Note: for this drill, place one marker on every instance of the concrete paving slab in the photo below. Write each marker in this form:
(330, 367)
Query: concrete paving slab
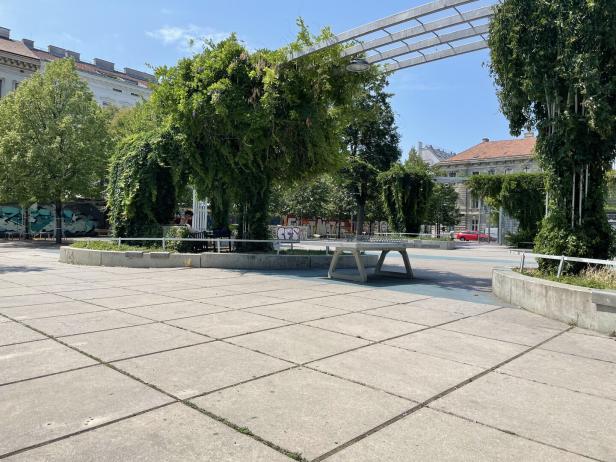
(565, 419)
(392, 296)
(525, 318)
(228, 323)
(572, 372)
(132, 301)
(297, 293)
(341, 287)
(13, 332)
(415, 314)
(414, 376)
(296, 311)
(15, 291)
(112, 345)
(39, 410)
(49, 310)
(178, 310)
(162, 287)
(367, 327)
(469, 349)
(240, 301)
(428, 435)
(173, 433)
(455, 306)
(351, 302)
(299, 344)
(87, 322)
(502, 330)
(89, 294)
(588, 346)
(202, 293)
(579, 330)
(36, 299)
(34, 359)
(199, 369)
(304, 411)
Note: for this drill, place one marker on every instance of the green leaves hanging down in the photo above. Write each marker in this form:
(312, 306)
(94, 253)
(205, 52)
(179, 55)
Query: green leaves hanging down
(251, 118)
(554, 65)
(143, 183)
(406, 191)
(522, 196)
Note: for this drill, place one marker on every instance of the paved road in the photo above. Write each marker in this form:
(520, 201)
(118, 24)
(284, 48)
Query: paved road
(111, 364)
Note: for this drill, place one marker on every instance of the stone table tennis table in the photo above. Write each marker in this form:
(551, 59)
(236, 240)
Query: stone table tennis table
(356, 247)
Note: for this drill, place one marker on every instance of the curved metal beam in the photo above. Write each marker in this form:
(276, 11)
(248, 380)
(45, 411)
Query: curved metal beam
(381, 24)
(429, 43)
(450, 21)
(455, 51)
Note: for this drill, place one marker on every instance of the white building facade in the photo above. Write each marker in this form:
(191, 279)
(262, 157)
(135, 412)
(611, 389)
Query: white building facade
(111, 87)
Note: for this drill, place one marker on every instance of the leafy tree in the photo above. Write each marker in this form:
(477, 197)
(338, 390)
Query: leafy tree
(521, 195)
(252, 119)
(144, 180)
(53, 140)
(406, 191)
(442, 207)
(372, 142)
(554, 64)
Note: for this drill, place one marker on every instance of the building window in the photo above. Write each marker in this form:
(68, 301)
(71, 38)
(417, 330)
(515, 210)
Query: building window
(492, 171)
(1, 82)
(474, 224)
(474, 202)
(452, 174)
(15, 84)
(475, 173)
(135, 94)
(117, 90)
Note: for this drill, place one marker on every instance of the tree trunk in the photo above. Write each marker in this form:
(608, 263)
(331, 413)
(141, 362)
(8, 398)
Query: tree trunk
(361, 214)
(27, 235)
(58, 222)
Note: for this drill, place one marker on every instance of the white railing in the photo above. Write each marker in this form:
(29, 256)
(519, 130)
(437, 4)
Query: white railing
(563, 259)
(165, 240)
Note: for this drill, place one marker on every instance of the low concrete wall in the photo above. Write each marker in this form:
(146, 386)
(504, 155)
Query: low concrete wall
(88, 257)
(432, 244)
(584, 307)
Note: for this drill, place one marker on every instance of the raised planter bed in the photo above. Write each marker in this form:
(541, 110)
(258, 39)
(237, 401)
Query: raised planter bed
(76, 256)
(588, 308)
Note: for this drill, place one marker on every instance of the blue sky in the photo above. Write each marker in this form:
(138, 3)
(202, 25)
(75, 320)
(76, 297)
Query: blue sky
(450, 103)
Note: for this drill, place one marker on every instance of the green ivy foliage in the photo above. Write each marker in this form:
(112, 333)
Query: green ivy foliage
(144, 179)
(554, 64)
(521, 195)
(406, 192)
(251, 119)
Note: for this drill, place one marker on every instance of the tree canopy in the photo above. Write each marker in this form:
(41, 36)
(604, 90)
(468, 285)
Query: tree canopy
(554, 64)
(406, 190)
(371, 141)
(250, 119)
(54, 141)
(521, 195)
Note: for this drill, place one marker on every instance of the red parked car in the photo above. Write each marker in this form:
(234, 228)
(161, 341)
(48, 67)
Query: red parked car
(470, 236)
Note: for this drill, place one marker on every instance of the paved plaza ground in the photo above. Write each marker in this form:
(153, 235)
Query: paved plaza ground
(114, 364)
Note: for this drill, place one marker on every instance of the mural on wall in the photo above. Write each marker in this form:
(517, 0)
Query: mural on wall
(79, 219)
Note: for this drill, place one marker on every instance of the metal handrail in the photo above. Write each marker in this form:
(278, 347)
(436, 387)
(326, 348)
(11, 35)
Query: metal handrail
(164, 240)
(563, 259)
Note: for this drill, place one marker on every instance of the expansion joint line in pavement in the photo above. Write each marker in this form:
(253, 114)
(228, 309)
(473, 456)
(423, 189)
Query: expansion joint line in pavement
(430, 400)
(174, 399)
(187, 400)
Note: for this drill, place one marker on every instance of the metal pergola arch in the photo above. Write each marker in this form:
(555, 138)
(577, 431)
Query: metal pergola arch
(427, 33)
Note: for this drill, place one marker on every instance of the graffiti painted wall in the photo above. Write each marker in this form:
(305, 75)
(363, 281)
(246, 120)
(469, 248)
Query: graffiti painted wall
(79, 219)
